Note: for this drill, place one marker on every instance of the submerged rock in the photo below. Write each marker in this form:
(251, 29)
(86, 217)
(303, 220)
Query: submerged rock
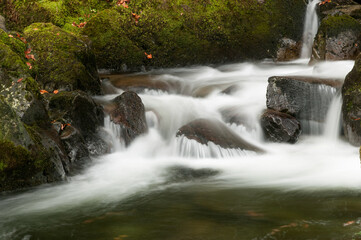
(127, 110)
(338, 38)
(204, 131)
(280, 127)
(351, 105)
(183, 173)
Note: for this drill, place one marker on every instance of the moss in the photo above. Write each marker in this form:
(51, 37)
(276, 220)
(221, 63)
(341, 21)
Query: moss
(64, 61)
(334, 25)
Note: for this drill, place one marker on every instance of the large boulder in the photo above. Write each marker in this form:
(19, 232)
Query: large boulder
(204, 131)
(63, 61)
(127, 111)
(351, 106)
(338, 38)
(280, 127)
(305, 98)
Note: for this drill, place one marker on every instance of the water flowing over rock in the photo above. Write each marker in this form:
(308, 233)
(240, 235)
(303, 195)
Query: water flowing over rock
(128, 111)
(351, 106)
(204, 131)
(280, 127)
(305, 98)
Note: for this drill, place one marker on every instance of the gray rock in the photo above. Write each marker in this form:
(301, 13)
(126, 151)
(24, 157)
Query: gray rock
(305, 98)
(288, 50)
(2, 23)
(280, 127)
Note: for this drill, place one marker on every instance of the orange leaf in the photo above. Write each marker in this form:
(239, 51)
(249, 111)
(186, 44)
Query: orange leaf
(149, 56)
(348, 223)
(36, 29)
(43, 91)
(31, 56)
(57, 34)
(18, 35)
(29, 65)
(11, 36)
(53, 121)
(56, 91)
(20, 79)
(27, 51)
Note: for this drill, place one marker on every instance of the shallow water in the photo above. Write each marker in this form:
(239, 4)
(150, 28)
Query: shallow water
(163, 187)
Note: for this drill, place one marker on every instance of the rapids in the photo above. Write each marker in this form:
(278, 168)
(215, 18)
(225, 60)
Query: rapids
(131, 193)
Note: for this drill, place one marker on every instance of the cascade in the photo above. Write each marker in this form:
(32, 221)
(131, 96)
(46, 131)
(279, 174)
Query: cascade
(310, 28)
(333, 119)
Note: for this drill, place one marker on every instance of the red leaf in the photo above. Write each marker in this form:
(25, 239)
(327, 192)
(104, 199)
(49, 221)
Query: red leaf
(43, 91)
(27, 51)
(20, 79)
(29, 65)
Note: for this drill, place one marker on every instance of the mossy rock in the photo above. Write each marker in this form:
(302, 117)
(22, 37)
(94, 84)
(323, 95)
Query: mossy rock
(63, 61)
(20, 14)
(192, 32)
(112, 47)
(351, 106)
(338, 38)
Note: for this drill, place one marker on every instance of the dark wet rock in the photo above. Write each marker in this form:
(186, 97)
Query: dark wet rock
(305, 98)
(128, 111)
(78, 109)
(76, 149)
(338, 38)
(280, 127)
(204, 131)
(183, 173)
(231, 89)
(288, 50)
(63, 61)
(351, 106)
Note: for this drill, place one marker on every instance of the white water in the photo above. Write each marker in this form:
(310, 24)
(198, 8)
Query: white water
(310, 28)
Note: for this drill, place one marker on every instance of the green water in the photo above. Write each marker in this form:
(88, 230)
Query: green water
(200, 211)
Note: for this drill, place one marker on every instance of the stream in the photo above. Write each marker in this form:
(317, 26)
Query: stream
(167, 187)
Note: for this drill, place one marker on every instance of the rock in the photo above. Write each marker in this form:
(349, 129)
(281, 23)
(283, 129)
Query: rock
(82, 113)
(63, 61)
(288, 50)
(76, 148)
(351, 105)
(183, 173)
(2, 23)
(280, 127)
(204, 131)
(338, 38)
(128, 111)
(305, 98)
(138, 83)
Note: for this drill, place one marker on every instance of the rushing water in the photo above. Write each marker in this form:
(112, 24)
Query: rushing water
(310, 28)
(163, 187)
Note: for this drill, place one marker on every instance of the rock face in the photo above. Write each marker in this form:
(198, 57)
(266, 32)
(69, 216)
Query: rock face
(204, 131)
(303, 97)
(280, 127)
(338, 38)
(128, 111)
(288, 50)
(351, 106)
(63, 61)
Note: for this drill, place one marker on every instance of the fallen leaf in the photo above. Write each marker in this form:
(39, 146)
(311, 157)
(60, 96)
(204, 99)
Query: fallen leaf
(254, 214)
(53, 121)
(43, 91)
(56, 91)
(27, 51)
(29, 65)
(64, 125)
(10, 35)
(31, 56)
(348, 223)
(20, 79)
(18, 35)
(149, 56)
(36, 29)
(136, 17)
(57, 34)
(23, 40)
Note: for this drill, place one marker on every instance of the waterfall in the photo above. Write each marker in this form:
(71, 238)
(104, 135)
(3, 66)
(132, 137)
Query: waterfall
(310, 28)
(333, 119)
